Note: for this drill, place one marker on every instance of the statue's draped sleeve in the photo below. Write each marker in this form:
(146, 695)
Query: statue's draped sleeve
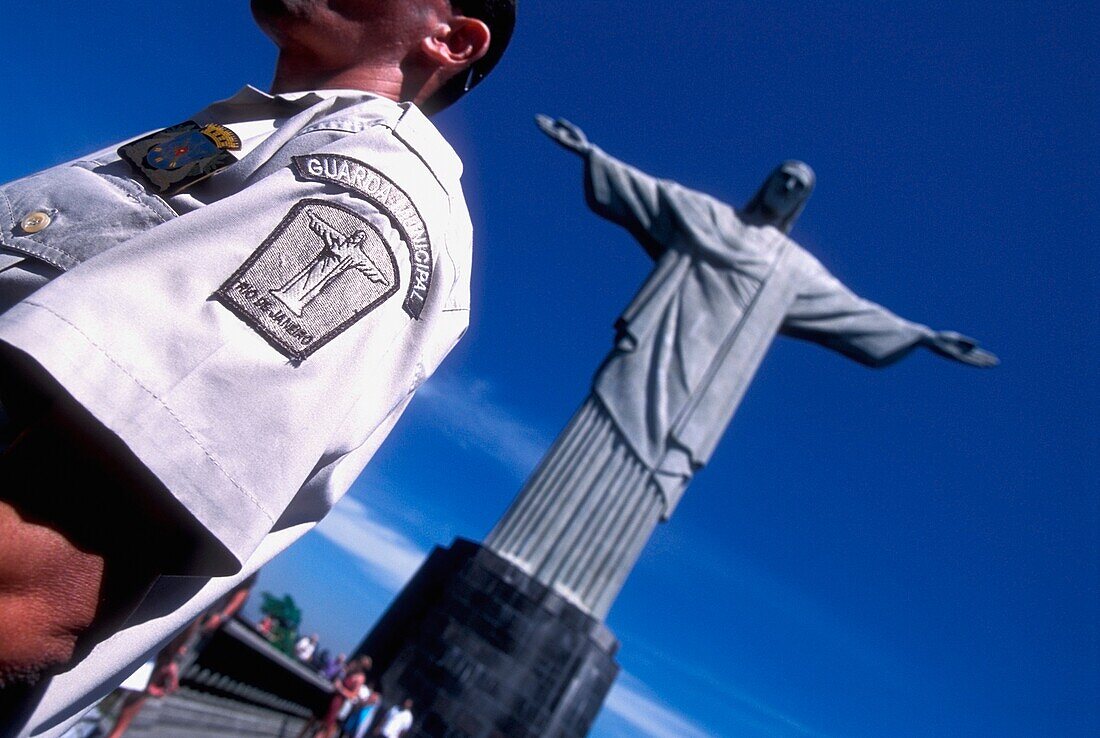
(633, 199)
(828, 313)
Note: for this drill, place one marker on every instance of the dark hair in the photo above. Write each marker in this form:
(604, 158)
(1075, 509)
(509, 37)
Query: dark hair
(500, 17)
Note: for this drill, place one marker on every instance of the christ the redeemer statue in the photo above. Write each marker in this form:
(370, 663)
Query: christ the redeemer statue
(725, 283)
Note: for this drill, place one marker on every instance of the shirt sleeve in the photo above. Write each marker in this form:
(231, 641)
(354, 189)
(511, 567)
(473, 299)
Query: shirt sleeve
(193, 341)
(828, 313)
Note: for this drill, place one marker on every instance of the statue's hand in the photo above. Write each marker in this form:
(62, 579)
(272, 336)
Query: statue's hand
(951, 345)
(564, 133)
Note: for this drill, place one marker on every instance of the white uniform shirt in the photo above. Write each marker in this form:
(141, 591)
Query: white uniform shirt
(252, 339)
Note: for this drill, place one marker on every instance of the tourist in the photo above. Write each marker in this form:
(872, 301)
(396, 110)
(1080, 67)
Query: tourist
(334, 668)
(398, 721)
(361, 715)
(305, 648)
(160, 677)
(266, 627)
(346, 691)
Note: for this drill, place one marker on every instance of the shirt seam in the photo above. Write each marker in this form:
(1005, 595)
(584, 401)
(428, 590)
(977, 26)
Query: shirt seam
(455, 270)
(7, 205)
(63, 264)
(162, 403)
(336, 127)
(415, 151)
(132, 196)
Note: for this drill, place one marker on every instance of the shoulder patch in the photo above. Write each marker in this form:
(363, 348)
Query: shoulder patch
(367, 182)
(177, 157)
(322, 269)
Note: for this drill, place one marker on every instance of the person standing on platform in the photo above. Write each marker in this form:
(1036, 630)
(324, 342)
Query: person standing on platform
(334, 668)
(398, 721)
(345, 693)
(164, 680)
(305, 648)
(362, 715)
(266, 627)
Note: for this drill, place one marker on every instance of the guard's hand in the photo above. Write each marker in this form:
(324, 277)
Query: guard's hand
(951, 345)
(564, 134)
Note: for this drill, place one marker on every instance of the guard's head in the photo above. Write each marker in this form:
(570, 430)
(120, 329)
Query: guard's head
(499, 17)
(782, 197)
(429, 51)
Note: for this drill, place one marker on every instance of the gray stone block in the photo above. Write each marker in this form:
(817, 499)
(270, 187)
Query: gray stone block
(486, 651)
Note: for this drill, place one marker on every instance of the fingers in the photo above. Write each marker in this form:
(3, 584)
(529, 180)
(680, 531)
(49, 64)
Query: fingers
(984, 359)
(978, 357)
(962, 348)
(552, 126)
(559, 128)
(966, 342)
(969, 352)
(956, 342)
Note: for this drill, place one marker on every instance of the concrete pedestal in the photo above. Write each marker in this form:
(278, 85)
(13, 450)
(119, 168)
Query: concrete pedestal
(486, 651)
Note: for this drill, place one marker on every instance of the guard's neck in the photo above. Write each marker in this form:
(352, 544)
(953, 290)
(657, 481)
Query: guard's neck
(293, 74)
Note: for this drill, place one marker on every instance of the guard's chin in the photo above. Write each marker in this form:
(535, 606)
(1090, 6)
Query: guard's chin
(273, 9)
(279, 18)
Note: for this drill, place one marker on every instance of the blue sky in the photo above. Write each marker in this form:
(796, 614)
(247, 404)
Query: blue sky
(909, 552)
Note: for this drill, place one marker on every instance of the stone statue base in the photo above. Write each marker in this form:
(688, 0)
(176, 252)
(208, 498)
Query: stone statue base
(485, 651)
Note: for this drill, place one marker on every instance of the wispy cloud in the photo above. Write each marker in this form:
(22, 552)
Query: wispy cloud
(385, 556)
(740, 705)
(634, 703)
(468, 413)
(692, 549)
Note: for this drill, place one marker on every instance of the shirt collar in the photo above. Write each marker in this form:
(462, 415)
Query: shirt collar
(413, 127)
(249, 94)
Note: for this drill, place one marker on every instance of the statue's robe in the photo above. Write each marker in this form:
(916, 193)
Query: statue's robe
(688, 346)
(692, 339)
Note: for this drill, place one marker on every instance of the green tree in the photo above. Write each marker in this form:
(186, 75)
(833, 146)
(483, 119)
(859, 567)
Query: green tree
(287, 616)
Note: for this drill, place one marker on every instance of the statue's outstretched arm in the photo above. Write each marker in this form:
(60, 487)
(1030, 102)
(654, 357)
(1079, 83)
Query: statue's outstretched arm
(828, 313)
(617, 191)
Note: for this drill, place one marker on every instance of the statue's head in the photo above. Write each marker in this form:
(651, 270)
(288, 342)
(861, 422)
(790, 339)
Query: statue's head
(782, 197)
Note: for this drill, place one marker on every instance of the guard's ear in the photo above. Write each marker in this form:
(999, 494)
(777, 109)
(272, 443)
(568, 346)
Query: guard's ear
(457, 44)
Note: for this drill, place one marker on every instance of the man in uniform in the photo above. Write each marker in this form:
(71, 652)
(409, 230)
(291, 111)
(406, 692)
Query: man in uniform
(206, 332)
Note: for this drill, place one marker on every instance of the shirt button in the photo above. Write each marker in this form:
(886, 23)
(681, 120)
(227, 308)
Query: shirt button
(35, 222)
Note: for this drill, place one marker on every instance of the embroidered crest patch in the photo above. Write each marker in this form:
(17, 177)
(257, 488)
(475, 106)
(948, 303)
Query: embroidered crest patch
(177, 157)
(322, 269)
(382, 192)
